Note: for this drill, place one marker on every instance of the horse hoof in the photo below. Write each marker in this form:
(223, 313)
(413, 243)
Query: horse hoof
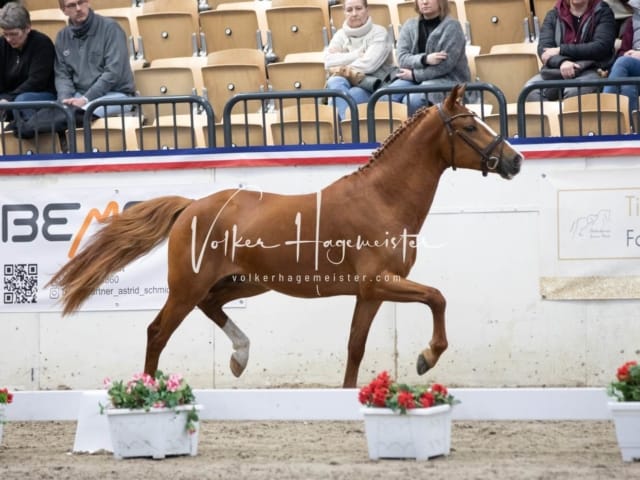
(421, 365)
(236, 368)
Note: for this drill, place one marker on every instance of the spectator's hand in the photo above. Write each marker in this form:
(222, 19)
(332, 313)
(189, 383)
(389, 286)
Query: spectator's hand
(569, 69)
(405, 74)
(436, 57)
(632, 53)
(76, 102)
(548, 53)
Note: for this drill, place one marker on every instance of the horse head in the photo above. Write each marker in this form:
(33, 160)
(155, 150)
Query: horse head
(472, 143)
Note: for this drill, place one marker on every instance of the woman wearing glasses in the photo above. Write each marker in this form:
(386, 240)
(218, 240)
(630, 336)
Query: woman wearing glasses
(26, 61)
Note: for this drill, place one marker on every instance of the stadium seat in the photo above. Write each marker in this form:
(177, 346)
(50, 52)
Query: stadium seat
(49, 21)
(541, 120)
(249, 133)
(161, 82)
(300, 75)
(322, 4)
(387, 117)
(234, 71)
(295, 29)
(167, 34)
(305, 124)
(508, 71)
(170, 133)
(225, 29)
(492, 22)
(112, 134)
(595, 114)
(102, 4)
(32, 5)
(540, 10)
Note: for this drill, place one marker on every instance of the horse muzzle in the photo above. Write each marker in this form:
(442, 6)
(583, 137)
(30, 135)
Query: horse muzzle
(508, 166)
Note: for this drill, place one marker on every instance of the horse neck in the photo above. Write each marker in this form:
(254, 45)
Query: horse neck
(404, 172)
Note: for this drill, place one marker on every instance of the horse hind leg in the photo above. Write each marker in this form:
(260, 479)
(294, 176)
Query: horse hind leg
(160, 330)
(212, 305)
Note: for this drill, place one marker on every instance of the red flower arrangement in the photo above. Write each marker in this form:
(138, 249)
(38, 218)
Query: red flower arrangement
(627, 386)
(5, 396)
(385, 393)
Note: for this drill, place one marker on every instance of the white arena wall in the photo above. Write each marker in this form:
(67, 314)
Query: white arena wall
(492, 246)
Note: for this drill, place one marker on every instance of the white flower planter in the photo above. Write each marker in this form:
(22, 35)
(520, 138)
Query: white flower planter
(156, 433)
(626, 418)
(1, 421)
(421, 434)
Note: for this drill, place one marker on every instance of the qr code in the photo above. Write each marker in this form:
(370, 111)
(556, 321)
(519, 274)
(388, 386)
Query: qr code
(20, 283)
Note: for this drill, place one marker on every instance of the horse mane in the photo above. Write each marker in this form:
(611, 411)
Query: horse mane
(394, 136)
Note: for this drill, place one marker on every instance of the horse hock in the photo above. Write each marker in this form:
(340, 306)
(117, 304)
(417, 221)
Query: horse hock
(240, 356)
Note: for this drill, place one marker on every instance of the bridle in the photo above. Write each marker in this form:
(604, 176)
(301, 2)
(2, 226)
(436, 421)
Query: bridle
(489, 162)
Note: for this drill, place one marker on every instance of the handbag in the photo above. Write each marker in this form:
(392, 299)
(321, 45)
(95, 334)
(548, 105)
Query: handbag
(548, 73)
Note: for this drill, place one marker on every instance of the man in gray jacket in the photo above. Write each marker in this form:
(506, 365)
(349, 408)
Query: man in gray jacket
(92, 59)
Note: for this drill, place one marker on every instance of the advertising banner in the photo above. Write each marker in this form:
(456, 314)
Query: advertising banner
(39, 233)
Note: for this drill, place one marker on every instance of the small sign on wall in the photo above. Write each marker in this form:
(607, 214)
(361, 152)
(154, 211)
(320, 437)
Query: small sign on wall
(590, 243)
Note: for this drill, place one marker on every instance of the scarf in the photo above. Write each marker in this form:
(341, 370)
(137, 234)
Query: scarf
(360, 31)
(80, 31)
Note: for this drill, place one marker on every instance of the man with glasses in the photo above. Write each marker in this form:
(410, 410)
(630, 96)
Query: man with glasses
(92, 59)
(26, 61)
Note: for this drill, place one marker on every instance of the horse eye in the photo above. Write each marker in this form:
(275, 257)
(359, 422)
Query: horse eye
(470, 128)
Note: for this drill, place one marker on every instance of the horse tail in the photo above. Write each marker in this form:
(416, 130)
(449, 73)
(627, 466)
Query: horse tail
(124, 238)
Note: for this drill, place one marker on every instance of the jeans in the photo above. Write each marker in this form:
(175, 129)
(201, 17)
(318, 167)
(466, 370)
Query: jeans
(625, 67)
(108, 110)
(26, 113)
(416, 100)
(360, 95)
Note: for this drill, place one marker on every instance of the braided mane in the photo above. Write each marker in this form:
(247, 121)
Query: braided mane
(395, 134)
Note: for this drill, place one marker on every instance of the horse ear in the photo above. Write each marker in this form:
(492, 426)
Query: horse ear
(455, 96)
(460, 88)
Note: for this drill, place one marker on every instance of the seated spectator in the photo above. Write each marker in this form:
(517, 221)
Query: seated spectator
(26, 60)
(359, 57)
(431, 52)
(576, 42)
(92, 59)
(627, 63)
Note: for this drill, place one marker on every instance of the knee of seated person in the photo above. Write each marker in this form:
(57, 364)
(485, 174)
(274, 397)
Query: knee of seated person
(338, 83)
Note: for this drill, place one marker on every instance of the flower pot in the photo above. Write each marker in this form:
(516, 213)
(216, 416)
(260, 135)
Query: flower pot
(626, 418)
(2, 417)
(421, 433)
(155, 433)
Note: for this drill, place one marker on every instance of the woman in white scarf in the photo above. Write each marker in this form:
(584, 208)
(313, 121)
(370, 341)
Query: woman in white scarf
(359, 50)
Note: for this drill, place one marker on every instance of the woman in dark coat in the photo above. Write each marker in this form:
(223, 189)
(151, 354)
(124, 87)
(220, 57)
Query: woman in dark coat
(576, 40)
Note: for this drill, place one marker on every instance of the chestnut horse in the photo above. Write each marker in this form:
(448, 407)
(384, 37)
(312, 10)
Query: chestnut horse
(357, 236)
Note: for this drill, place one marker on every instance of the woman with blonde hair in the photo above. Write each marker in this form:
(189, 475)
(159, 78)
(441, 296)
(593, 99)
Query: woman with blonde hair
(431, 52)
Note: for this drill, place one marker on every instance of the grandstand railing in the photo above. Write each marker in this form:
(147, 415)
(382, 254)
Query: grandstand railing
(195, 112)
(559, 109)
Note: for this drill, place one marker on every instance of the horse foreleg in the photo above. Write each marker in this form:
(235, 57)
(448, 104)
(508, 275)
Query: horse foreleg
(397, 289)
(160, 330)
(360, 325)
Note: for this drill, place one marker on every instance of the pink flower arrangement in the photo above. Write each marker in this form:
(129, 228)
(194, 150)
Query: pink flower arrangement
(383, 392)
(146, 392)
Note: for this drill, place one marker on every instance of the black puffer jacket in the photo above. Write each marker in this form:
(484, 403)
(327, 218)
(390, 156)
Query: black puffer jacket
(594, 39)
